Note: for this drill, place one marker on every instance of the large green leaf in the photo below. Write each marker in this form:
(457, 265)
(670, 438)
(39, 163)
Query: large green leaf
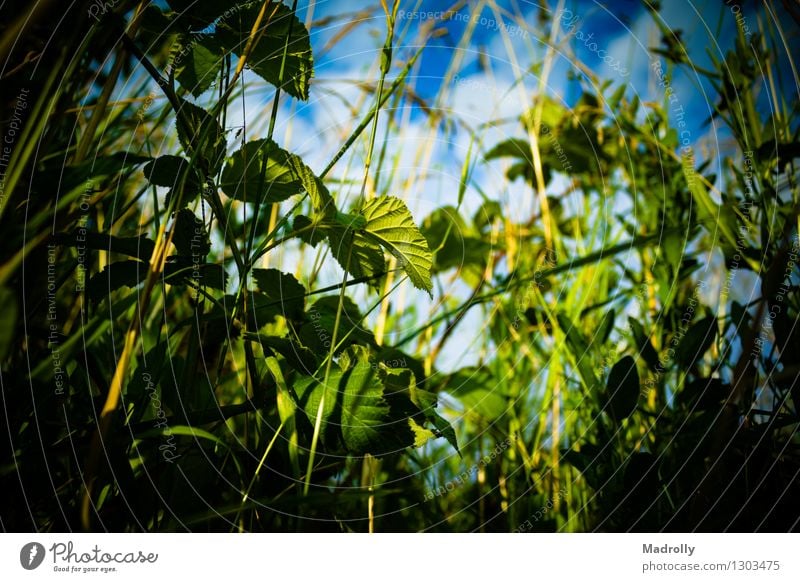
(401, 383)
(190, 238)
(390, 224)
(140, 247)
(283, 290)
(355, 417)
(356, 254)
(316, 333)
(244, 173)
(317, 192)
(200, 134)
(198, 62)
(266, 54)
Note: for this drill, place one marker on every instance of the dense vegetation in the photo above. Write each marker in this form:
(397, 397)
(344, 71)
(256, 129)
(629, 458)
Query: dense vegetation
(174, 358)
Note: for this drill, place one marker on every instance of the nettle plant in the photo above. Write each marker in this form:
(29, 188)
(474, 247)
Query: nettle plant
(232, 382)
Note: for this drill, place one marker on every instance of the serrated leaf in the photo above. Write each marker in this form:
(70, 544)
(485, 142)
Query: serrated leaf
(201, 58)
(316, 332)
(297, 356)
(320, 197)
(283, 290)
(390, 224)
(243, 172)
(200, 134)
(266, 55)
(622, 389)
(165, 170)
(356, 254)
(356, 417)
(140, 247)
(190, 238)
(308, 231)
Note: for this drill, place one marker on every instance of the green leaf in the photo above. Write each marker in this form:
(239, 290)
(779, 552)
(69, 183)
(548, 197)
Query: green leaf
(356, 254)
(320, 197)
(312, 233)
(720, 221)
(190, 238)
(140, 247)
(605, 328)
(266, 55)
(296, 355)
(316, 332)
(696, 342)
(580, 351)
(622, 389)
(400, 382)
(594, 463)
(166, 170)
(356, 417)
(198, 62)
(242, 175)
(287, 410)
(282, 289)
(390, 224)
(453, 243)
(511, 148)
(202, 135)
(643, 343)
